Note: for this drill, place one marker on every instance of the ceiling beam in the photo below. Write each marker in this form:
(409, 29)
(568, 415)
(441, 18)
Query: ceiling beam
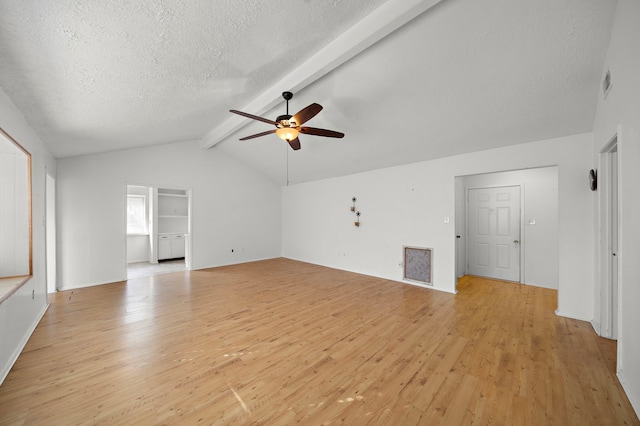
(378, 24)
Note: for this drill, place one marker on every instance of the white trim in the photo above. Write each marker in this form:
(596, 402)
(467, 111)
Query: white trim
(572, 316)
(619, 363)
(605, 322)
(633, 399)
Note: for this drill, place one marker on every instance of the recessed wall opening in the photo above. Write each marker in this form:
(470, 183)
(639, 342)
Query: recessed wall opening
(158, 230)
(514, 223)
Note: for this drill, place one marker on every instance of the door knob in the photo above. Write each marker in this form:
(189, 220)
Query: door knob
(516, 241)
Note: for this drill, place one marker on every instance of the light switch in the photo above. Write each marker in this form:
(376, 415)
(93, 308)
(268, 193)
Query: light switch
(532, 221)
(446, 219)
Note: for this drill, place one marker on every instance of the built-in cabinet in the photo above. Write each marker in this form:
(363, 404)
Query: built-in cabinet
(171, 246)
(173, 223)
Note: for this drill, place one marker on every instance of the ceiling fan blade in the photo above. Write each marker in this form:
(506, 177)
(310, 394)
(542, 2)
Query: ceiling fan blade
(254, 117)
(295, 144)
(257, 135)
(307, 114)
(321, 132)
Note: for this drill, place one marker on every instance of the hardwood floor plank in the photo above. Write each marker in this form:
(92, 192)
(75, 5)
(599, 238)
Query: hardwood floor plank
(285, 342)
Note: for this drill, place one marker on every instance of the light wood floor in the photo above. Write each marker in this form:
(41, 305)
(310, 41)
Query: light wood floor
(284, 342)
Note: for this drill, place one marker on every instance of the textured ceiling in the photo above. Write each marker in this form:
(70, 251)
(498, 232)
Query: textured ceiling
(463, 76)
(95, 76)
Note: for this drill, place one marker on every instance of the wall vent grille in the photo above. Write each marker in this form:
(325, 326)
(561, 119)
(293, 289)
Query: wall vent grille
(417, 265)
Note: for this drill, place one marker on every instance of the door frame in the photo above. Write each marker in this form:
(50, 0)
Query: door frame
(152, 199)
(609, 296)
(50, 231)
(521, 225)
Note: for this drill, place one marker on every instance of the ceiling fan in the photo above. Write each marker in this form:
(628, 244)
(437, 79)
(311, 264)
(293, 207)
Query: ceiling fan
(289, 126)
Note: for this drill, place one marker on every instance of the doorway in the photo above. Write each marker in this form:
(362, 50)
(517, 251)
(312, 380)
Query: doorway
(158, 230)
(537, 221)
(609, 221)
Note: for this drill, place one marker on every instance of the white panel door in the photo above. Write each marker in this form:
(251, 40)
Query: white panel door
(493, 240)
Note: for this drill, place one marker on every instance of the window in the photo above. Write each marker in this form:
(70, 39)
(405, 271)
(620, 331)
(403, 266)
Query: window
(136, 214)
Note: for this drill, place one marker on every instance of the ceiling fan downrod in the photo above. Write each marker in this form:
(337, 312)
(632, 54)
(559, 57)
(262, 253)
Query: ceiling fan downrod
(287, 96)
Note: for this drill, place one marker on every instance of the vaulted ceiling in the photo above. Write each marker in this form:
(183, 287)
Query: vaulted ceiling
(405, 80)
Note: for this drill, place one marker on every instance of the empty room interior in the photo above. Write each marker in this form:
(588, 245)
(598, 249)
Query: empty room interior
(347, 212)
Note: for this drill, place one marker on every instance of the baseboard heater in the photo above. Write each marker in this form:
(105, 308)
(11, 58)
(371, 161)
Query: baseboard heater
(417, 265)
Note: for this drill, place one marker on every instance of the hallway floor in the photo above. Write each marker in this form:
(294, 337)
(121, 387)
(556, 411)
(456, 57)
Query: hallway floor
(146, 269)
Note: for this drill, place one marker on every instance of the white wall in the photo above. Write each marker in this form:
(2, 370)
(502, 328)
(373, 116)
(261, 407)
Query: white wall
(621, 110)
(20, 313)
(539, 241)
(406, 205)
(138, 246)
(233, 208)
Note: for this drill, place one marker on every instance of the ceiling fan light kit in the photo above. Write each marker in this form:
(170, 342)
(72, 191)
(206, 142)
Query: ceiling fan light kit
(287, 133)
(288, 127)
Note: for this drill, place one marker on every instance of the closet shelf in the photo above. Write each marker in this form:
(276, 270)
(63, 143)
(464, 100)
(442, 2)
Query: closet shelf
(172, 195)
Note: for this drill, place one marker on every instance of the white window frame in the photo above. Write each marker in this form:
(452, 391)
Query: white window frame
(144, 230)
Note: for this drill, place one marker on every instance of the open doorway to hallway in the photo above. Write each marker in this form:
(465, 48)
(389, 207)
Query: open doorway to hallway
(158, 230)
(532, 243)
(148, 269)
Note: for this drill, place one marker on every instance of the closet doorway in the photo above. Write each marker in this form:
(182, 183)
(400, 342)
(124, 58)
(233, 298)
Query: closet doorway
(158, 230)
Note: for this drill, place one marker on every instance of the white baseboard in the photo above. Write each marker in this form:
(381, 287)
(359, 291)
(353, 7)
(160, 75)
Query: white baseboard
(573, 316)
(634, 399)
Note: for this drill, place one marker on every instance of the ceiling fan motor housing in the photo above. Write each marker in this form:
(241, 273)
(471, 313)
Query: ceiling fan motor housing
(283, 120)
